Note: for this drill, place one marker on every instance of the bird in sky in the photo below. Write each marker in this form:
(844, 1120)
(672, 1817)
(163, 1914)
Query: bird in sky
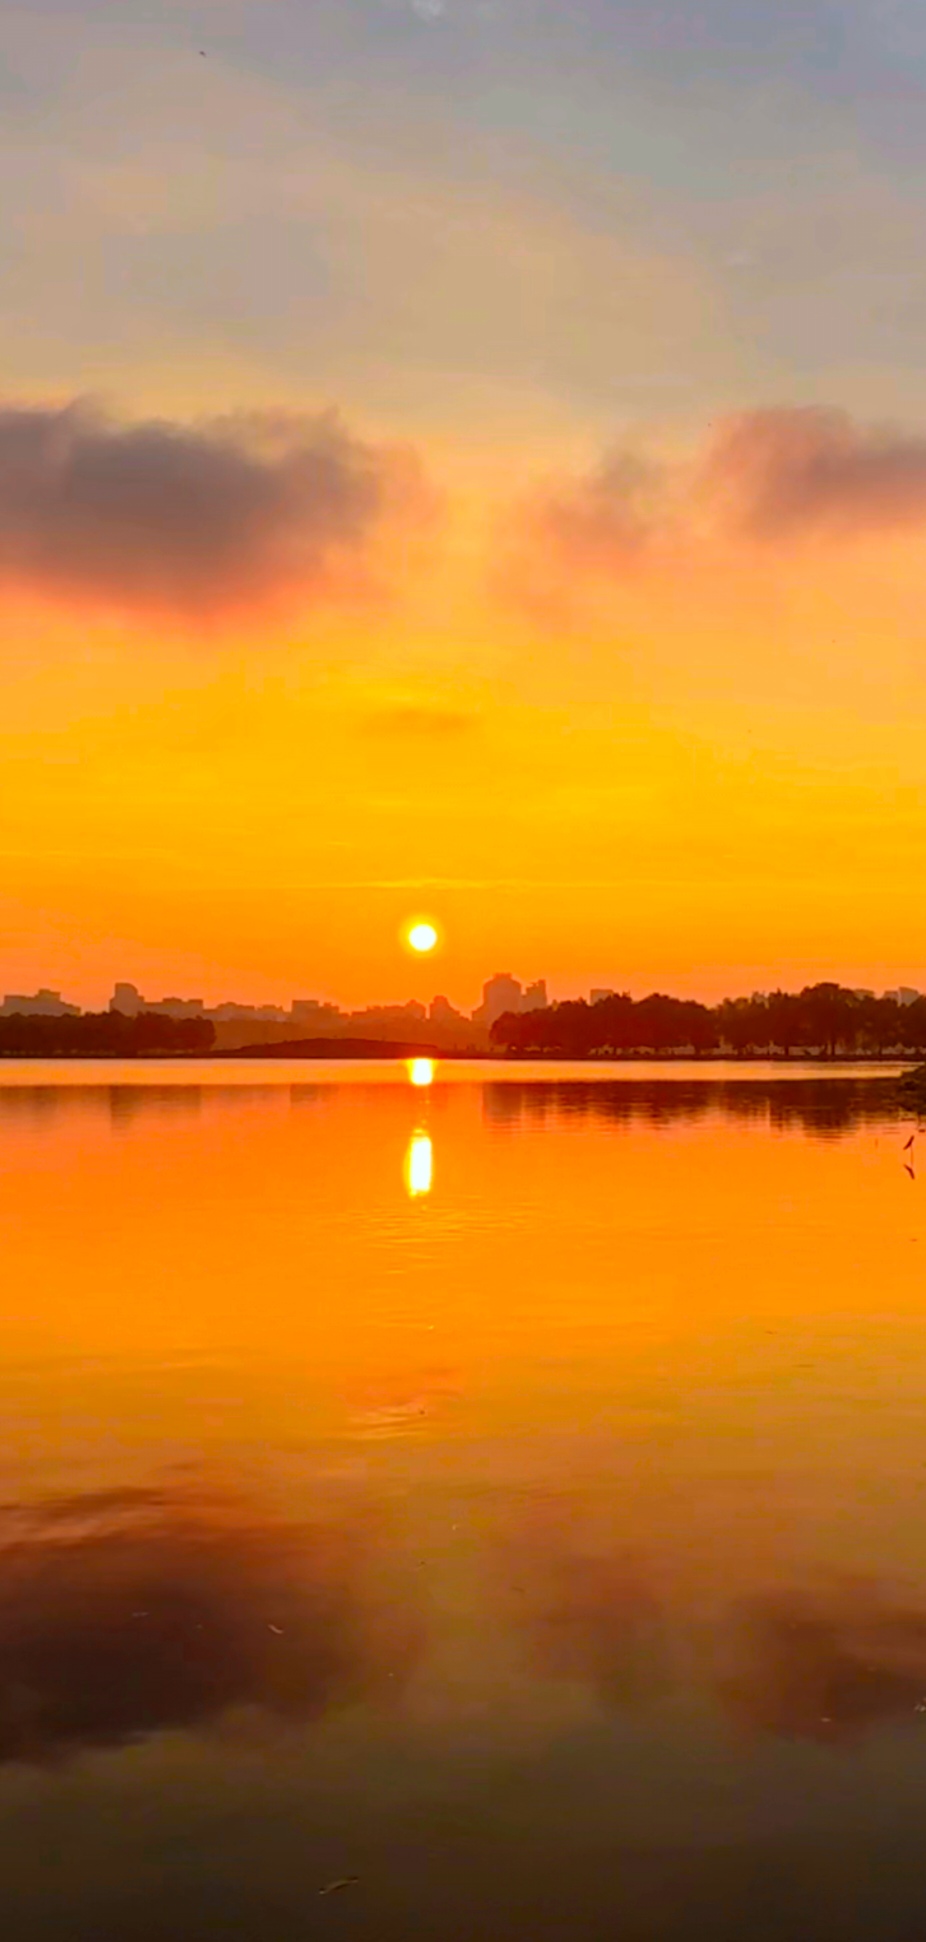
(908, 1143)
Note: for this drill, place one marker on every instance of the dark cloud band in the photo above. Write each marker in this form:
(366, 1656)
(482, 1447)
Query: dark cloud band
(196, 520)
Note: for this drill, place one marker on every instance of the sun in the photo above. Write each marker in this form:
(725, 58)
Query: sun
(422, 938)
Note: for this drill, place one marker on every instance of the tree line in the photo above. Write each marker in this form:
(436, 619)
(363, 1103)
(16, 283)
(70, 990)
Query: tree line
(102, 1035)
(823, 1020)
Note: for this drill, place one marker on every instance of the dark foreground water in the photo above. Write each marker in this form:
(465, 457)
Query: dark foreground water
(485, 1508)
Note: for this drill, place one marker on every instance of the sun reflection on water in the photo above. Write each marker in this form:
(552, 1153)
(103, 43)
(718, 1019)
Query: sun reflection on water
(419, 1165)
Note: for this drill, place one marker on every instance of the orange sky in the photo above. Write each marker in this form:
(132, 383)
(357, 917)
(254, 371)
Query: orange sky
(591, 621)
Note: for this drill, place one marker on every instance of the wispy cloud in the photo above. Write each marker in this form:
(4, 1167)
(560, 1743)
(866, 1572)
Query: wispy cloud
(422, 721)
(781, 474)
(779, 477)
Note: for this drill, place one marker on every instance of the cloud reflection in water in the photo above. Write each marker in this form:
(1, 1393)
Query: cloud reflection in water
(132, 1612)
(832, 1666)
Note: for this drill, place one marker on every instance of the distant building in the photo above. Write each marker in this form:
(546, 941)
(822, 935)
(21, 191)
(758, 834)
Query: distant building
(861, 991)
(390, 1014)
(128, 999)
(598, 996)
(441, 1012)
(41, 1004)
(500, 994)
(904, 995)
(535, 997)
(230, 1010)
(311, 1009)
(177, 1007)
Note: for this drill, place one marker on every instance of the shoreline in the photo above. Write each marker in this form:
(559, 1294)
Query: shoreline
(381, 1049)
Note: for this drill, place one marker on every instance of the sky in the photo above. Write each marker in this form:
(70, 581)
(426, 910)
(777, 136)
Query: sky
(462, 459)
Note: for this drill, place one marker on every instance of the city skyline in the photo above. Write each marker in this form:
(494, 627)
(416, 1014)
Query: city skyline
(501, 993)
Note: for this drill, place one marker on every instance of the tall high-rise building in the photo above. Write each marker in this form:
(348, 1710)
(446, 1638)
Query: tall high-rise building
(535, 997)
(128, 999)
(499, 994)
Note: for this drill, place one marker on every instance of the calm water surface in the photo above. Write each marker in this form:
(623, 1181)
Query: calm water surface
(498, 1501)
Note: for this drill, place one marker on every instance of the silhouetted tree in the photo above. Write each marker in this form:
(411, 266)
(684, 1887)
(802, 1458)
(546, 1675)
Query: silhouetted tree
(106, 1035)
(825, 1020)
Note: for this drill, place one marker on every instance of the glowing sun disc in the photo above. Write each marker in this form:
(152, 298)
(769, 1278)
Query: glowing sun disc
(422, 937)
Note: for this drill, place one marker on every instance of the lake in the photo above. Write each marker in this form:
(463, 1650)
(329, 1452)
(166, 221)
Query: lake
(461, 1502)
